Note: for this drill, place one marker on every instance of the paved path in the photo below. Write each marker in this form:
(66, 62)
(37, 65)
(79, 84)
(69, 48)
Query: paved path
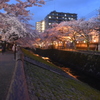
(7, 65)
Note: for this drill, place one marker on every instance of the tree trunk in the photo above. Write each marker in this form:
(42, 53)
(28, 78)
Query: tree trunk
(63, 44)
(88, 48)
(74, 44)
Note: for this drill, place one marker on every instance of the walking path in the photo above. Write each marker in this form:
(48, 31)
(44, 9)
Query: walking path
(7, 65)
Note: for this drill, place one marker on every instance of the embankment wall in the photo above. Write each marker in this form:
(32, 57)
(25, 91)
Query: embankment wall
(85, 62)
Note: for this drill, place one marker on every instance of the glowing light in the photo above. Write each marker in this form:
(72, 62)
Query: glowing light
(77, 41)
(94, 40)
(68, 71)
(46, 58)
(84, 41)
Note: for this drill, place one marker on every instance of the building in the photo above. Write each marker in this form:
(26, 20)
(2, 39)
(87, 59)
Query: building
(58, 17)
(40, 26)
(54, 17)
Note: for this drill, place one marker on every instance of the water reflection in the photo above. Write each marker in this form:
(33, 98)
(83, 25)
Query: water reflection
(45, 58)
(91, 81)
(69, 72)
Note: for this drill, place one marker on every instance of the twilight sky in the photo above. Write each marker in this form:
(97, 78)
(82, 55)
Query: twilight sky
(83, 8)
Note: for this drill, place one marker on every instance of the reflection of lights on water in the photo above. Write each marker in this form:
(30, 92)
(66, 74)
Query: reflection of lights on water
(45, 58)
(36, 54)
(68, 71)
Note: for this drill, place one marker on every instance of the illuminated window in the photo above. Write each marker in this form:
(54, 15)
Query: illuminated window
(49, 16)
(49, 23)
(65, 14)
(63, 17)
(71, 18)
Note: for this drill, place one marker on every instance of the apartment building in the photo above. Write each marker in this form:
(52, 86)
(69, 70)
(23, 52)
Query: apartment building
(54, 17)
(58, 17)
(40, 26)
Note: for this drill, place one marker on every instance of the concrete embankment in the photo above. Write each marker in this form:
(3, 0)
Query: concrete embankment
(86, 62)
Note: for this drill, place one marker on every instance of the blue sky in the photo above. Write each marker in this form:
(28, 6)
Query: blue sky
(83, 8)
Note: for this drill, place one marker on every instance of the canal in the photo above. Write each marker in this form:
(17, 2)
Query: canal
(91, 81)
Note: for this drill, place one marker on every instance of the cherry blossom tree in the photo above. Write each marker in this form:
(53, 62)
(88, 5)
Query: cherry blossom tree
(86, 28)
(11, 25)
(73, 31)
(68, 31)
(20, 7)
(47, 38)
(97, 25)
(14, 23)
(77, 30)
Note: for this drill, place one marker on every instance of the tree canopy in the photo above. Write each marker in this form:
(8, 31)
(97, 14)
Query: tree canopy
(15, 20)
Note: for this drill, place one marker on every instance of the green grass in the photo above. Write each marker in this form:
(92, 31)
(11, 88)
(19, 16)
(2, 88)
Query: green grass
(52, 86)
(38, 58)
(47, 85)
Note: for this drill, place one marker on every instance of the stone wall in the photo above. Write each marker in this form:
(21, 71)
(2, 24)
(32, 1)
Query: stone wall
(83, 61)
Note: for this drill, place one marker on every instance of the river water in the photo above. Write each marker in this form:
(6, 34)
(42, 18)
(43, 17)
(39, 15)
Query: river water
(91, 81)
